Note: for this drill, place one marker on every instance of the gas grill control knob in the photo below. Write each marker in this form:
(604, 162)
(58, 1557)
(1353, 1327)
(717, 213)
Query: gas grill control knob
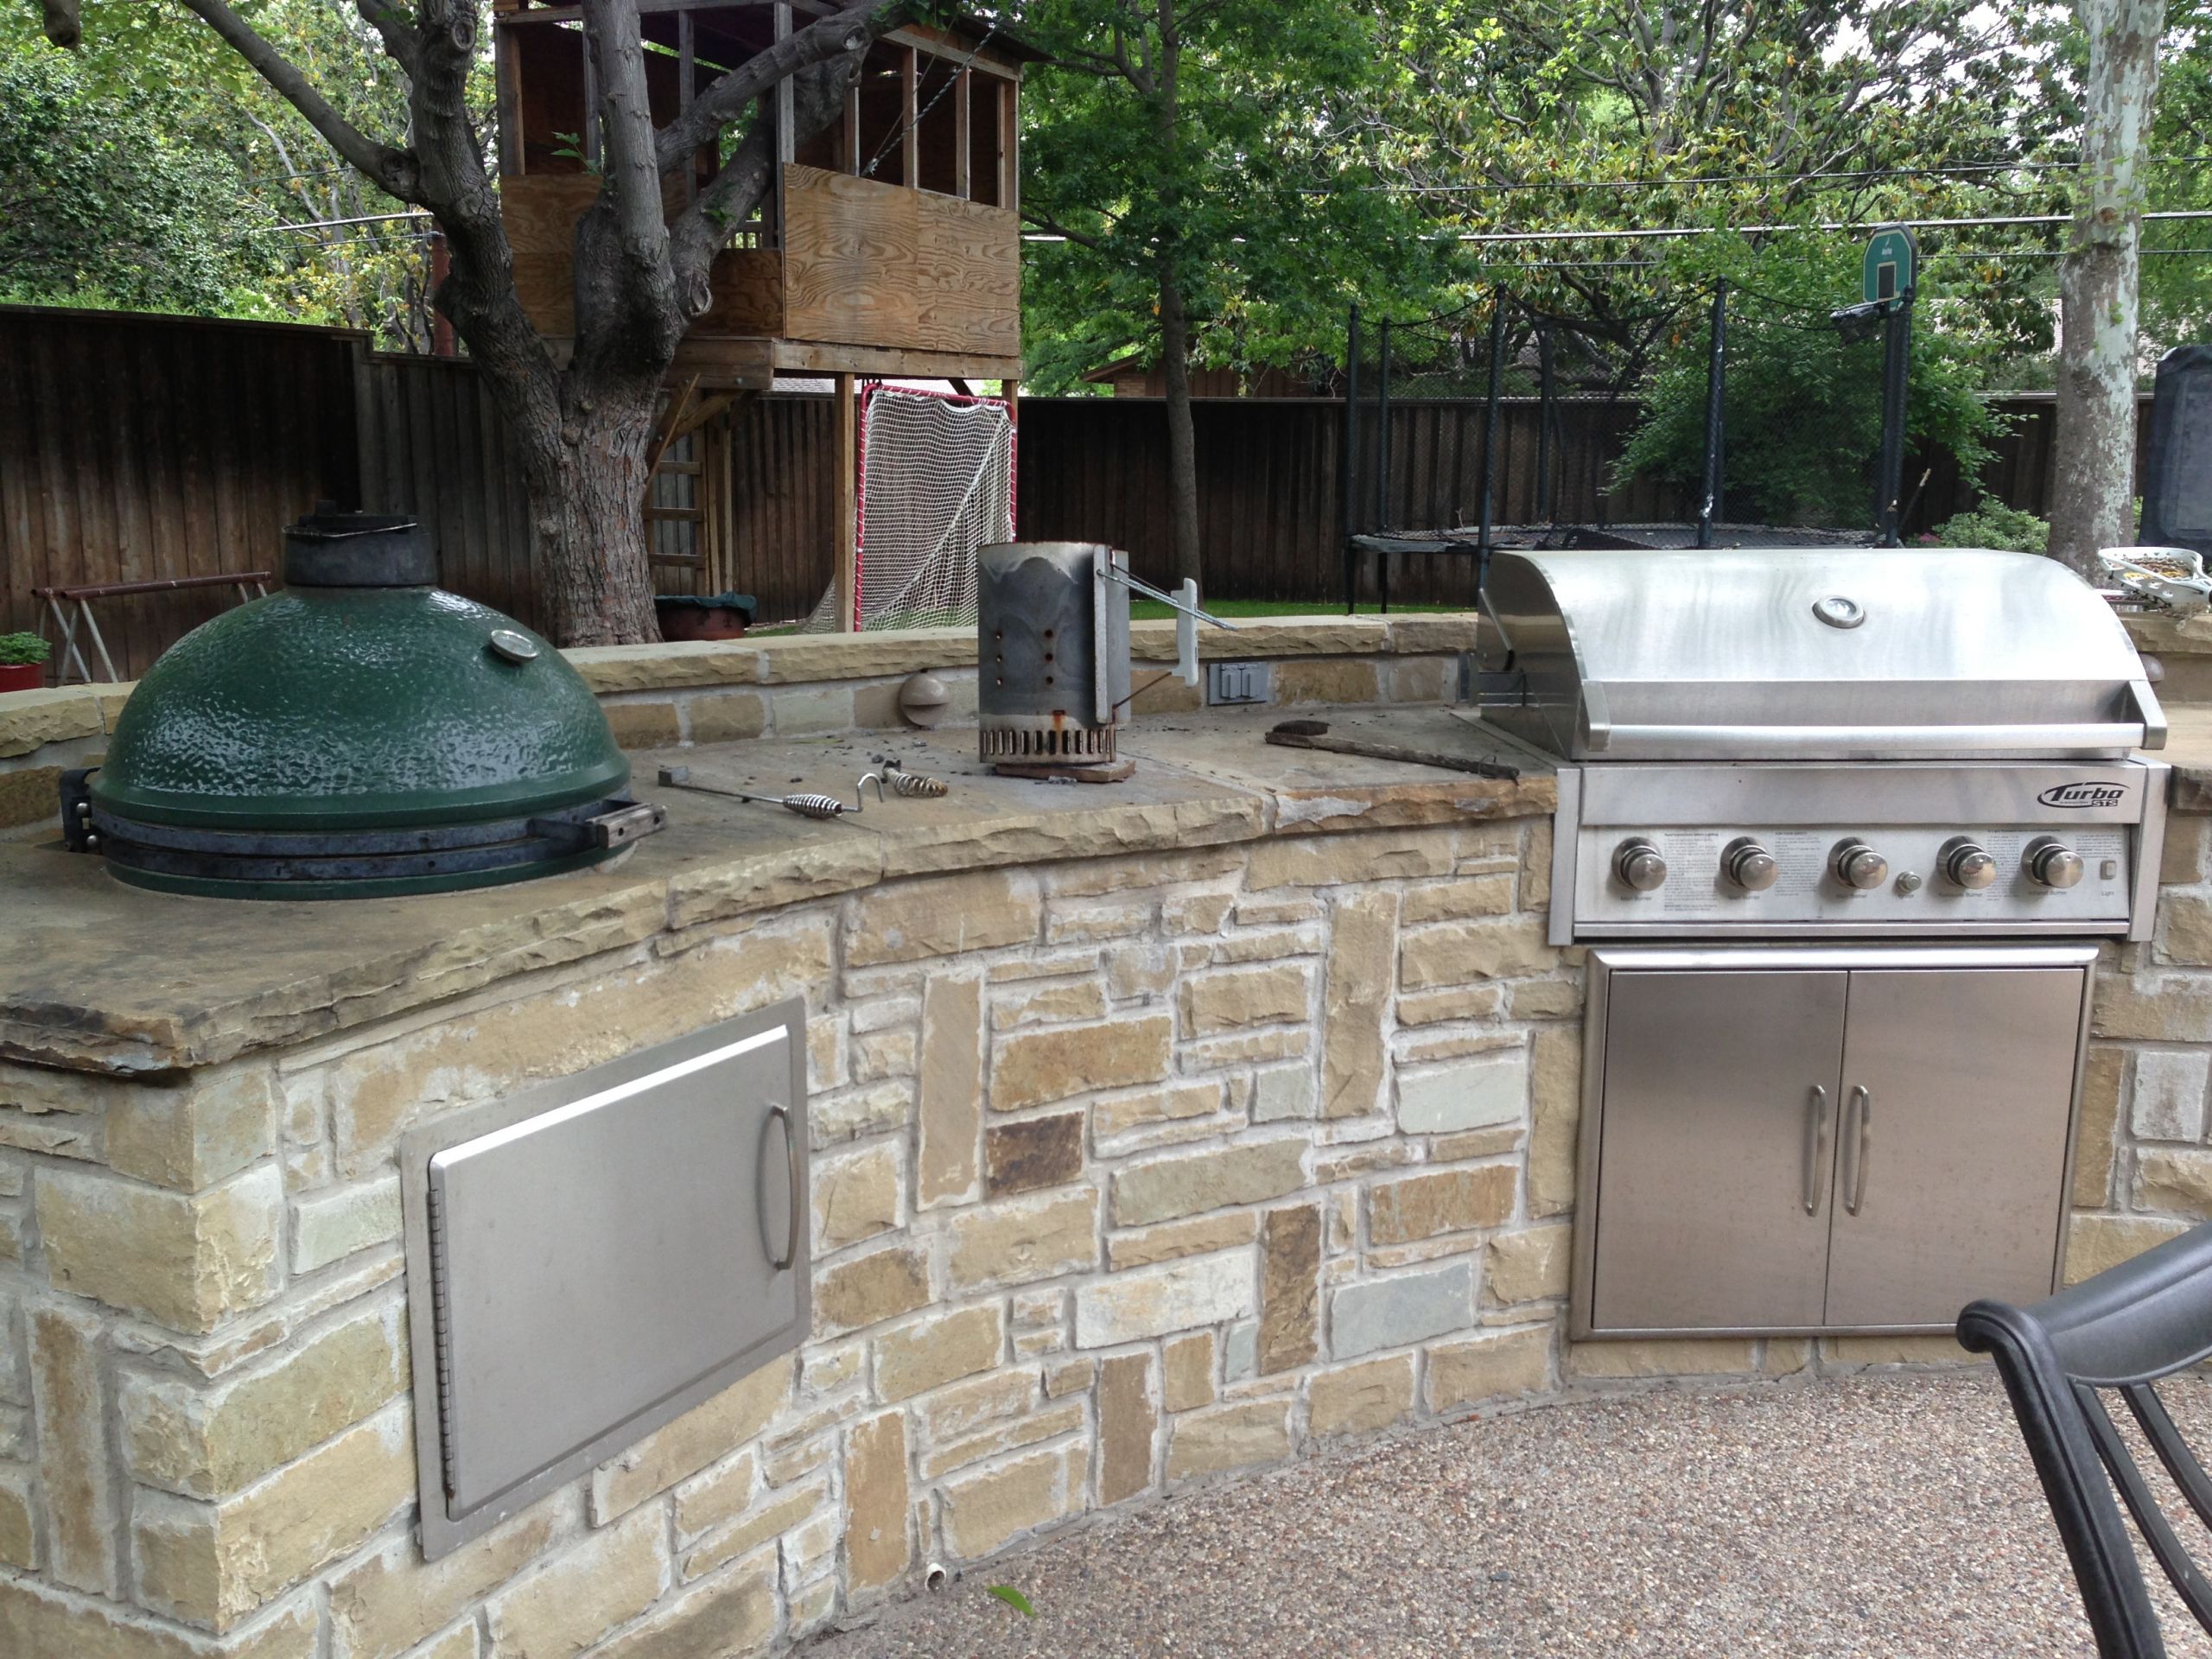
(1638, 863)
(1748, 865)
(1966, 863)
(1858, 865)
(2052, 863)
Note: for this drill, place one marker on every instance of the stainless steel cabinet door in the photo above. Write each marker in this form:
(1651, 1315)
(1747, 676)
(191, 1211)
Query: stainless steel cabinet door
(1957, 1092)
(1714, 1149)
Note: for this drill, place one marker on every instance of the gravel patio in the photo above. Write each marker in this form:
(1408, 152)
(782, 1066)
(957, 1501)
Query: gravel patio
(1892, 1515)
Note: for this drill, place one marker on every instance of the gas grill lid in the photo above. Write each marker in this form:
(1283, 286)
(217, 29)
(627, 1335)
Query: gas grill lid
(1810, 653)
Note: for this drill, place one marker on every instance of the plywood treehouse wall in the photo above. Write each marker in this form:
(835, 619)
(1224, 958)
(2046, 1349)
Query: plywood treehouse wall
(890, 244)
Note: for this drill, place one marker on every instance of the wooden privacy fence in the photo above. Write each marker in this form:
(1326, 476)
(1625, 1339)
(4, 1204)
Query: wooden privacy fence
(142, 449)
(134, 448)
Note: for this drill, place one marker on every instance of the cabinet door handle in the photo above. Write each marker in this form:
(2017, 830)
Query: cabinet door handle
(1861, 1104)
(782, 1115)
(1816, 1134)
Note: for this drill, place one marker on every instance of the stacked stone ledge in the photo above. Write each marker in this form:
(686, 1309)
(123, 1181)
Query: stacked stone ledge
(1128, 1173)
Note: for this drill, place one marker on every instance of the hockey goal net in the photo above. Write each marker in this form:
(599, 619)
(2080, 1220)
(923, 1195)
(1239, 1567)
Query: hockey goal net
(936, 484)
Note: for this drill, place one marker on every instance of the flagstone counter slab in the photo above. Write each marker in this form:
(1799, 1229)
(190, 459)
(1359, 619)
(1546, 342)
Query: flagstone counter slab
(106, 978)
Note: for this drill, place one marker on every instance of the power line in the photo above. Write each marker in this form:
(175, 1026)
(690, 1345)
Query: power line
(1639, 234)
(1748, 178)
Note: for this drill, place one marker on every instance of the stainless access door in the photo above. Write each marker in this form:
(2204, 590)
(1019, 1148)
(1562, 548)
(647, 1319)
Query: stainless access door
(1958, 1089)
(1715, 1148)
(600, 1253)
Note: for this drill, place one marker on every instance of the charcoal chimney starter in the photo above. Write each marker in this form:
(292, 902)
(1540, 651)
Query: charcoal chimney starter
(1052, 626)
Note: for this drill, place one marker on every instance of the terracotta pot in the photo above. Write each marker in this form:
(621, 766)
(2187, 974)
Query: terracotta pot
(21, 677)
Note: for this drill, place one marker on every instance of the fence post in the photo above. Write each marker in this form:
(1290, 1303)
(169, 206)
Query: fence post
(1545, 393)
(1382, 462)
(1716, 431)
(1489, 438)
(1348, 464)
(1897, 360)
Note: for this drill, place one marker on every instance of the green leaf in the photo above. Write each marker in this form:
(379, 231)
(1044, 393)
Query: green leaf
(1013, 1599)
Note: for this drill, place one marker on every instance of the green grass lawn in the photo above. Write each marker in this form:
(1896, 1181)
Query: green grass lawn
(1151, 610)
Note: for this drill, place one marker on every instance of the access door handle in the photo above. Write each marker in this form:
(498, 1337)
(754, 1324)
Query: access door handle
(782, 1115)
(1856, 1143)
(1816, 1135)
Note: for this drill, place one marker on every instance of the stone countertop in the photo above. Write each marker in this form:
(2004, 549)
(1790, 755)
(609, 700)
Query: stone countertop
(2189, 752)
(103, 977)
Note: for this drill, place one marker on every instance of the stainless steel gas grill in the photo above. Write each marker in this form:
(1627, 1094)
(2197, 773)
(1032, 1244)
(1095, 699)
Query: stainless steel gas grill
(1844, 826)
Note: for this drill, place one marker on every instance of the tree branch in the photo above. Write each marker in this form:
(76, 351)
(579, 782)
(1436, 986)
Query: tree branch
(848, 31)
(394, 170)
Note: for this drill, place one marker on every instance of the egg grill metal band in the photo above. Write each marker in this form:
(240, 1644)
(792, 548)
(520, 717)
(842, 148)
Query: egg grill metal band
(543, 839)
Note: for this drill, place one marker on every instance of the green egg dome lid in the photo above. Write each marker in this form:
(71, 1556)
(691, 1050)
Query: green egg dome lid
(359, 702)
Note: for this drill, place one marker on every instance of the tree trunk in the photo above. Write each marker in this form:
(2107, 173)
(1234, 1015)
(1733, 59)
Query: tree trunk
(1182, 435)
(2094, 486)
(584, 472)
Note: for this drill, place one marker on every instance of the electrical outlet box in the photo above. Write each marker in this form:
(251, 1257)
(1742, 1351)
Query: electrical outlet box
(1236, 682)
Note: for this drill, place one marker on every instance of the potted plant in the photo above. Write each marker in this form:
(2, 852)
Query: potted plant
(22, 662)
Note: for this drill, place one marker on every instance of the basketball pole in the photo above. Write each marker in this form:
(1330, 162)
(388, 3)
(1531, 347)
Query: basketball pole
(845, 465)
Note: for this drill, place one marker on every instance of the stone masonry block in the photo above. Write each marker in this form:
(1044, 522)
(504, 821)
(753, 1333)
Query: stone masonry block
(2170, 1088)
(1408, 1307)
(1033, 1153)
(857, 1195)
(69, 1407)
(2095, 1243)
(571, 1601)
(1241, 1436)
(1446, 1201)
(1179, 1295)
(707, 1432)
(950, 1110)
(983, 1512)
(2094, 1142)
(1355, 990)
(1458, 953)
(2172, 1179)
(1356, 1399)
(1250, 1172)
(918, 1358)
(881, 1284)
(909, 921)
(1128, 1421)
(332, 1224)
(193, 1137)
(1348, 861)
(1490, 1367)
(212, 1441)
(1530, 1264)
(1466, 1094)
(1689, 1357)
(1023, 1240)
(214, 1564)
(733, 1612)
(186, 1261)
(1029, 1068)
(1290, 1270)
(383, 1604)
(38, 1620)
(877, 1545)
(1234, 998)
(1555, 1108)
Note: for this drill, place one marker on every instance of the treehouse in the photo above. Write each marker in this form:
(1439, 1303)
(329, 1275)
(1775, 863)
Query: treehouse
(889, 245)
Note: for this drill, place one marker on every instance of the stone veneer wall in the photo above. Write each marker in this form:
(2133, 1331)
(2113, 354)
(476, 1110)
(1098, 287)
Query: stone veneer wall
(815, 685)
(1129, 1173)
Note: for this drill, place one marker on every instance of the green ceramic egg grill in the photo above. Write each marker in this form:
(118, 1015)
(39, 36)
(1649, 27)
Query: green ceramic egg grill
(361, 733)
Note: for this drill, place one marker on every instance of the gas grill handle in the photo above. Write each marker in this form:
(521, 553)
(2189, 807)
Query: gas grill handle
(1857, 1141)
(782, 1115)
(1816, 1136)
